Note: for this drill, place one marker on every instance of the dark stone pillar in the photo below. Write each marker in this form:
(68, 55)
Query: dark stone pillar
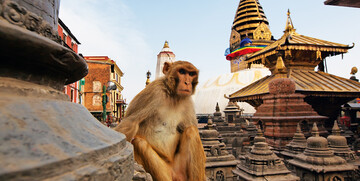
(42, 134)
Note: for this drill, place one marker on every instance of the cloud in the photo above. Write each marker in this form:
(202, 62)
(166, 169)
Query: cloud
(108, 28)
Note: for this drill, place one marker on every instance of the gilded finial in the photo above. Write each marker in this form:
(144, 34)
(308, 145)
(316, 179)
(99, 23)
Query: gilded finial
(148, 74)
(280, 66)
(166, 44)
(289, 25)
(318, 54)
(353, 71)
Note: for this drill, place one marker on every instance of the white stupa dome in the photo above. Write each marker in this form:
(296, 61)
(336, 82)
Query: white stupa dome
(213, 90)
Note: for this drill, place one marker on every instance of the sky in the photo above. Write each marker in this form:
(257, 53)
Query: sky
(133, 32)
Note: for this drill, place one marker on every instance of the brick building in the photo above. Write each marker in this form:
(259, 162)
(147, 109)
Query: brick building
(102, 70)
(73, 90)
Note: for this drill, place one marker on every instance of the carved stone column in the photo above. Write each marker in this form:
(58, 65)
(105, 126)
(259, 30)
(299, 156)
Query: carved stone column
(43, 136)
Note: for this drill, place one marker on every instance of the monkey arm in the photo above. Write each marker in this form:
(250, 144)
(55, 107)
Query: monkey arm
(141, 108)
(190, 159)
(153, 163)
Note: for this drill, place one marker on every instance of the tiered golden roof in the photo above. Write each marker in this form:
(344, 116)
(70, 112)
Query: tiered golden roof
(295, 56)
(291, 45)
(307, 82)
(250, 21)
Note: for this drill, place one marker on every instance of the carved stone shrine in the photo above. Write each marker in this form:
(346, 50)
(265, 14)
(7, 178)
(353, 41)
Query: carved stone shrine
(318, 161)
(262, 164)
(219, 163)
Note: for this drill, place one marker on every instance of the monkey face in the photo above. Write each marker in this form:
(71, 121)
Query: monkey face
(181, 78)
(185, 82)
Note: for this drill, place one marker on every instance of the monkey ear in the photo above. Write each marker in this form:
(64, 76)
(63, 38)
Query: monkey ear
(166, 67)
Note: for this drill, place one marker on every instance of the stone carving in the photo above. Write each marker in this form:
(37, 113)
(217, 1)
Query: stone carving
(282, 86)
(20, 16)
(43, 135)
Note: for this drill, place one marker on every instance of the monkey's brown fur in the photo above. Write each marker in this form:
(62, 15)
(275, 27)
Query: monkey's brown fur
(161, 124)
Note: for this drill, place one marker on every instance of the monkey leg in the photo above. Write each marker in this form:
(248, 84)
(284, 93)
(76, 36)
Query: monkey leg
(190, 159)
(145, 155)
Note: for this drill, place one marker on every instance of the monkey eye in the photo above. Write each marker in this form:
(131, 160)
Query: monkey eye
(192, 73)
(182, 71)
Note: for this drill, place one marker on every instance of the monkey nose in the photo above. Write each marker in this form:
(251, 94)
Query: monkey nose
(187, 83)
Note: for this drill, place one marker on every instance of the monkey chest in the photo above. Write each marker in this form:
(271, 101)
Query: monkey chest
(165, 134)
(166, 130)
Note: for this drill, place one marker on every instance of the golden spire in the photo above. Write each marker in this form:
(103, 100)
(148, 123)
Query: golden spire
(289, 27)
(248, 17)
(166, 44)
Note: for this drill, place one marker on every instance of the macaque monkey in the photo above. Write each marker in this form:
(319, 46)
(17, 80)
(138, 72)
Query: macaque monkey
(161, 124)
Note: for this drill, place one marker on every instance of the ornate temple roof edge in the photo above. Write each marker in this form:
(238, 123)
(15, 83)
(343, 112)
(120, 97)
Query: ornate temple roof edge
(283, 45)
(333, 86)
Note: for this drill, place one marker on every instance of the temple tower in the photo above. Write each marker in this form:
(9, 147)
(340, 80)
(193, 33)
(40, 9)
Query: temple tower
(295, 56)
(165, 55)
(250, 27)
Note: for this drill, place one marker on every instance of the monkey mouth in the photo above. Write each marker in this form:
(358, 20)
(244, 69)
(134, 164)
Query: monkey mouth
(185, 90)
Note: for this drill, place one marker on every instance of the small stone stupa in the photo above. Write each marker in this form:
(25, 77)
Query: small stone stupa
(218, 120)
(232, 111)
(219, 163)
(296, 146)
(318, 161)
(262, 164)
(340, 147)
(232, 135)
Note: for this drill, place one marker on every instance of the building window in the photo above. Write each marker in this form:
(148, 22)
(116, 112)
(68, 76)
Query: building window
(72, 95)
(96, 100)
(96, 86)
